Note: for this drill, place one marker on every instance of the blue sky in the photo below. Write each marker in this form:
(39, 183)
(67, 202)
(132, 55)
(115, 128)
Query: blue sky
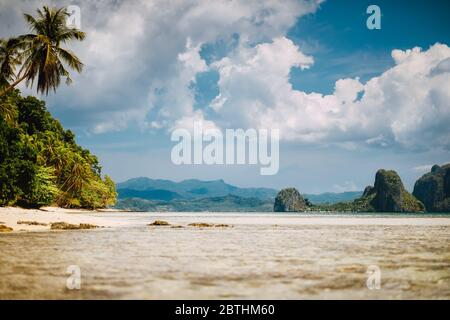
(174, 68)
(343, 47)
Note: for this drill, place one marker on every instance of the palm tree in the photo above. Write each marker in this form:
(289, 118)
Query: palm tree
(43, 57)
(9, 59)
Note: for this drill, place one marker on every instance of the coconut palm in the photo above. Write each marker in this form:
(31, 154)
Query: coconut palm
(9, 60)
(43, 57)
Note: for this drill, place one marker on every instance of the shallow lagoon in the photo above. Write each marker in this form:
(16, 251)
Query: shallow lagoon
(263, 256)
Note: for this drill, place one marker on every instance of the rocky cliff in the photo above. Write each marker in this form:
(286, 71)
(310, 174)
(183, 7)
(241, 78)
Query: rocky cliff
(386, 195)
(289, 200)
(433, 189)
(389, 194)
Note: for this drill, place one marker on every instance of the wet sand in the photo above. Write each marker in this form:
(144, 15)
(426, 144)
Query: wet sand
(12, 216)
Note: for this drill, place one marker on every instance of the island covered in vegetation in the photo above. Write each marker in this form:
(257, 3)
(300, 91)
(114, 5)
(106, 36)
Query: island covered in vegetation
(431, 194)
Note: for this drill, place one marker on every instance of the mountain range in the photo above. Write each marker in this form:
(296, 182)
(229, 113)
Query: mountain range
(145, 194)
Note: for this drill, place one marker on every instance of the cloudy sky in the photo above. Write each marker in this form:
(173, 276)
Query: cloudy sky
(347, 100)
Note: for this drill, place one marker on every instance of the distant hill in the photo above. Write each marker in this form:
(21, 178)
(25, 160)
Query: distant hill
(331, 198)
(150, 194)
(229, 203)
(145, 194)
(153, 189)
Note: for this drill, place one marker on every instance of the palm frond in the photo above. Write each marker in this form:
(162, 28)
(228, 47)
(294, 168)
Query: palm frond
(43, 58)
(70, 59)
(9, 59)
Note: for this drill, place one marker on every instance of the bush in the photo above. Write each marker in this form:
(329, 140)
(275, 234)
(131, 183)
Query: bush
(44, 188)
(17, 165)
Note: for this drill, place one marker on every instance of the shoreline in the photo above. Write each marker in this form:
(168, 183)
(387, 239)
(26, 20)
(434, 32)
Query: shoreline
(40, 220)
(43, 217)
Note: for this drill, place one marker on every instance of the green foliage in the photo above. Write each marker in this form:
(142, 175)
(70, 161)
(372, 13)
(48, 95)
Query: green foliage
(40, 163)
(33, 116)
(9, 59)
(8, 111)
(17, 165)
(44, 189)
(411, 204)
(362, 204)
(111, 195)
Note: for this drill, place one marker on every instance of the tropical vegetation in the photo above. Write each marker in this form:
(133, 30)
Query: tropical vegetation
(40, 162)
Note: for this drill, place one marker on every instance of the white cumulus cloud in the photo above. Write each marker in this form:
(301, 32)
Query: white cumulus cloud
(142, 58)
(407, 105)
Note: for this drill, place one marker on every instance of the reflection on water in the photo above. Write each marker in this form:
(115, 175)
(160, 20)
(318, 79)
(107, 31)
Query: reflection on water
(262, 256)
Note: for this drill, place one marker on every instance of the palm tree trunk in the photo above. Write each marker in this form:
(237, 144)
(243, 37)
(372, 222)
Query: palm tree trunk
(11, 86)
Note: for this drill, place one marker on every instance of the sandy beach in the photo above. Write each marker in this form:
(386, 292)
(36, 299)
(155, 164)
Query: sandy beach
(35, 220)
(19, 219)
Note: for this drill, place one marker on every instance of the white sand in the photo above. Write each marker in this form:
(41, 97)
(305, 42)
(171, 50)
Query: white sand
(9, 216)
